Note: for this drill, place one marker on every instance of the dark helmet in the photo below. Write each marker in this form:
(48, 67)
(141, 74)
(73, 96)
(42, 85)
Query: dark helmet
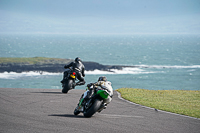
(78, 59)
(102, 78)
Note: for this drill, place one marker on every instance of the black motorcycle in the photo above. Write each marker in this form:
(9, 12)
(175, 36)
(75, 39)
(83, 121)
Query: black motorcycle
(69, 80)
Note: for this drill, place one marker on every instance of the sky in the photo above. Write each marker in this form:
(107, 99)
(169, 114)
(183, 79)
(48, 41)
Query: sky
(100, 16)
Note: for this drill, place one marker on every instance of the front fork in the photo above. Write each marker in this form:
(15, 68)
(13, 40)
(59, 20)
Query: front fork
(82, 104)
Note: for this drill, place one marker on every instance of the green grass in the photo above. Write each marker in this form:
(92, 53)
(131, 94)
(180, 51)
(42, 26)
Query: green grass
(184, 102)
(34, 60)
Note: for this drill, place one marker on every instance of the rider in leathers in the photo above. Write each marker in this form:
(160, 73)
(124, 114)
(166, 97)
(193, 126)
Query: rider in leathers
(103, 84)
(79, 68)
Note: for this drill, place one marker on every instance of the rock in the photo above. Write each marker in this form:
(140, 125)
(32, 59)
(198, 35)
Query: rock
(52, 67)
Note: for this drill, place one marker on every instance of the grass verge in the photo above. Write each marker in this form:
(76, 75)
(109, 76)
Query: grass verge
(34, 60)
(184, 102)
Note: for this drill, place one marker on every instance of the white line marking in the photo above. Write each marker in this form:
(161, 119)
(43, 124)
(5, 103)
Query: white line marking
(120, 116)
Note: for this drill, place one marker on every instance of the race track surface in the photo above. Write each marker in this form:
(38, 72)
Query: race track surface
(50, 111)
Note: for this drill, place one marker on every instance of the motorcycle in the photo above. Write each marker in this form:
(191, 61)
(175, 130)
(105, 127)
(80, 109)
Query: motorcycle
(69, 80)
(93, 104)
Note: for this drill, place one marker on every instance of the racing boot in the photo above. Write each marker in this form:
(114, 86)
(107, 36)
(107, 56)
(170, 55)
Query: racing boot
(80, 82)
(103, 106)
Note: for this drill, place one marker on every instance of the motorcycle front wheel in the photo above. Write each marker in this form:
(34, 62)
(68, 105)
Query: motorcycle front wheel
(76, 111)
(93, 109)
(67, 86)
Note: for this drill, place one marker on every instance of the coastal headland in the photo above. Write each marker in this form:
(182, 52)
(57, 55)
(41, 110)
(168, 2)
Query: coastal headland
(47, 65)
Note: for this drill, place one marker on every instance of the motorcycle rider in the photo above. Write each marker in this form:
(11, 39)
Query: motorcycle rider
(79, 68)
(103, 84)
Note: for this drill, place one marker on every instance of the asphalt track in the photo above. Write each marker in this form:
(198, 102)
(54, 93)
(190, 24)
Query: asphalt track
(50, 111)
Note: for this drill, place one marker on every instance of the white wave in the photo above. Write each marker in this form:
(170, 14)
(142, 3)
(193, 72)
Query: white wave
(14, 75)
(129, 70)
(162, 66)
(126, 70)
(98, 72)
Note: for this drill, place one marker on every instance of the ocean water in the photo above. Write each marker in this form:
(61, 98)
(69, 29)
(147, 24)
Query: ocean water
(163, 62)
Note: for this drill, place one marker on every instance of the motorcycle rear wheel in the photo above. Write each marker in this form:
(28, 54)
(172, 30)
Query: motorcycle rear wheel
(67, 86)
(93, 109)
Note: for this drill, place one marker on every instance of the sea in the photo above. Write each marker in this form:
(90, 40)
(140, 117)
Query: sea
(160, 61)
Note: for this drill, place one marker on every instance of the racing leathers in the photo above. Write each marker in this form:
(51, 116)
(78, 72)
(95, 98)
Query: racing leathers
(79, 68)
(105, 85)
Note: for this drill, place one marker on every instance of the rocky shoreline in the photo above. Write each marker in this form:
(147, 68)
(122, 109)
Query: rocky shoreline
(21, 67)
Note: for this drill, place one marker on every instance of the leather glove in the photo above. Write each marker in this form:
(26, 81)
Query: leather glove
(90, 84)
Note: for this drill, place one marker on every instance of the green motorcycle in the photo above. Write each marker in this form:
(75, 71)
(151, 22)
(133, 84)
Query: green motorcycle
(92, 104)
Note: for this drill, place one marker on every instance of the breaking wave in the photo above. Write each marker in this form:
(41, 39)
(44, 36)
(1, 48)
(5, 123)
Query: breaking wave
(126, 70)
(13, 75)
(140, 69)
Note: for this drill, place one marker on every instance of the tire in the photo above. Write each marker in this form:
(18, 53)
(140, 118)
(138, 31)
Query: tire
(76, 112)
(67, 86)
(93, 109)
